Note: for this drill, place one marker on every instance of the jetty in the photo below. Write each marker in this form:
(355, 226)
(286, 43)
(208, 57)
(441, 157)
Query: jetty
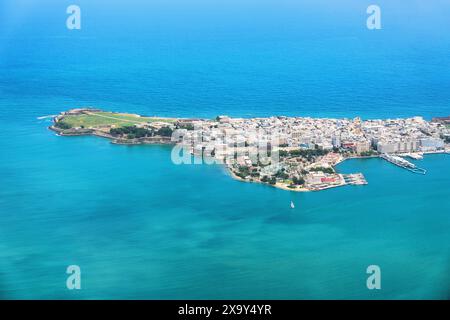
(403, 163)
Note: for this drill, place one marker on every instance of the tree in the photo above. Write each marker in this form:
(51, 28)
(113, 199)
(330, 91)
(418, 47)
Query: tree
(283, 153)
(245, 171)
(281, 174)
(298, 181)
(62, 125)
(187, 126)
(164, 131)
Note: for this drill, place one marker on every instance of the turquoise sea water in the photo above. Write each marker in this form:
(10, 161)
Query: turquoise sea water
(141, 227)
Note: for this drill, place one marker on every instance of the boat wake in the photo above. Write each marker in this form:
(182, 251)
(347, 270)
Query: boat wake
(46, 117)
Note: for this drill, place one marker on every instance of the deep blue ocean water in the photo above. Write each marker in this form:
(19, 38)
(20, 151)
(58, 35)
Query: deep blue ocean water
(141, 227)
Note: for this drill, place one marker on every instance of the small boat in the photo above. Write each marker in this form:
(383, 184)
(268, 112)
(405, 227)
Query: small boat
(292, 205)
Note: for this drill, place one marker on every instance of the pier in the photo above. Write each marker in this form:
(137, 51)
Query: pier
(354, 179)
(415, 156)
(398, 161)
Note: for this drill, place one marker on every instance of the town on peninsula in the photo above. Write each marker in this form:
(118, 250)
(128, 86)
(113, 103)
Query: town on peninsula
(307, 149)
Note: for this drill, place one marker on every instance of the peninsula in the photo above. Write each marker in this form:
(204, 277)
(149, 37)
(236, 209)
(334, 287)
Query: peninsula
(300, 153)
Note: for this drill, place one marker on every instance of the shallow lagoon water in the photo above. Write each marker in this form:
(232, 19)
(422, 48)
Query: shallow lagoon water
(142, 227)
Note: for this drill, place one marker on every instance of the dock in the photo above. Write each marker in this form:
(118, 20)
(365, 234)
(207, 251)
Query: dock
(405, 164)
(354, 179)
(415, 156)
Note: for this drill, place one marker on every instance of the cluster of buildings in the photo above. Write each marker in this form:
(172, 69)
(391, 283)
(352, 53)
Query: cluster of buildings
(293, 151)
(406, 135)
(352, 135)
(236, 141)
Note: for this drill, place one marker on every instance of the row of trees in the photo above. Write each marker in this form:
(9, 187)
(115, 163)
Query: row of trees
(133, 132)
(273, 180)
(270, 180)
(368, 153)
(187, 126)
(308, 152)
(325, 170)
(281, 174)
(244, 171)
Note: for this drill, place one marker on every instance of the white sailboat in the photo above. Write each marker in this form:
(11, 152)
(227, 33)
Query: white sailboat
(292, 205)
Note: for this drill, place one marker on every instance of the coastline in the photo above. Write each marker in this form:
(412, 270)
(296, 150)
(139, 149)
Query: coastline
(113, 140)
(318, 173)
(278, 186)
(61, 133)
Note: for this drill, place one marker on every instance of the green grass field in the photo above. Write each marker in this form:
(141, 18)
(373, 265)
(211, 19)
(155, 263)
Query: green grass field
(99, 119)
